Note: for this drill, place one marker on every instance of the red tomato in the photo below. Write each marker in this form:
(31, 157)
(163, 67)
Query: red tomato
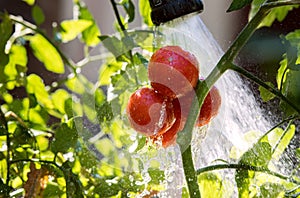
(149, 112)
(169, 137)
(172, 71)
(210, 107)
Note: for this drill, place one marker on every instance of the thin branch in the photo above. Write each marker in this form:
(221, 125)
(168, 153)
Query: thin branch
(117, 14)
(244, 167)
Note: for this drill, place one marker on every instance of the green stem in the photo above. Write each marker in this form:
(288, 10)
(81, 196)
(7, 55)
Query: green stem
(190, 173)
(244, 167)
(258, 81)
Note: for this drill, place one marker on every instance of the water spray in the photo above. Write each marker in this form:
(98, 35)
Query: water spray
(167, 10)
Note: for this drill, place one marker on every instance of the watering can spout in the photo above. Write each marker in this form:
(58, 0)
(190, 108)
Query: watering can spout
(167, 10)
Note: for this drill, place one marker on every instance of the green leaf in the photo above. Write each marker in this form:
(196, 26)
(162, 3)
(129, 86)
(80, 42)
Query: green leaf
(72, 28)
(107, 70)
(291, 55)
(294, 39)
(129, 8)
(278, 14)
(281, 139)
(36, 86)
(265, 94)
(145, 12)
(259, 155)
(46, 53)
(15, 70)
(37, 14)
(90, 35)
(281, 74)
(29, 2)
(212, 185)
(298, 152)
(291, 89)
(271, 190)
(104, 112)
(243, 181)
(52, 190)
(59, 98)
(6, 29)
(119, 48)
(238, 4)
(66, 136)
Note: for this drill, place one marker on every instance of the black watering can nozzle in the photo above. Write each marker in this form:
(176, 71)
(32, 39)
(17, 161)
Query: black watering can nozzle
(167, 10)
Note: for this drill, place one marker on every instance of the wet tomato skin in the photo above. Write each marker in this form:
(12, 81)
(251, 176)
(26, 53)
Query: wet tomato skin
(169, 137)
(210, 107)
(149, 112)
(173, 71)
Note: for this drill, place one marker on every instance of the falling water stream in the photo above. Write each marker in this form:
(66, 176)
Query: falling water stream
(239, 111)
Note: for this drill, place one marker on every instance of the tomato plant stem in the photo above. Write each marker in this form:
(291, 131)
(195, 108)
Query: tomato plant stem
(190, 173)
(243, 167)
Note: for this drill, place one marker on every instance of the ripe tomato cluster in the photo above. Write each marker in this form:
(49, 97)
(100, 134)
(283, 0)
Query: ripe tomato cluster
(160, 111)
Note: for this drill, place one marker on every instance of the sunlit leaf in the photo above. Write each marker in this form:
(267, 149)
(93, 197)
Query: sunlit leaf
(107, 70)
(265, 94)
(46, 53)
(281, 74)
(6, 29)
(238, 4)
(16, 67)
(90, 35)
(38, 116)
(243, 181)
(59, 98)
(36, 86)
(259, 155)
(281, 139)
(37, 14)
(212, 185)
(72, 28)
(76, 84)
(29, 2)
(271, 190)
(278, 14)
(145, 12)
